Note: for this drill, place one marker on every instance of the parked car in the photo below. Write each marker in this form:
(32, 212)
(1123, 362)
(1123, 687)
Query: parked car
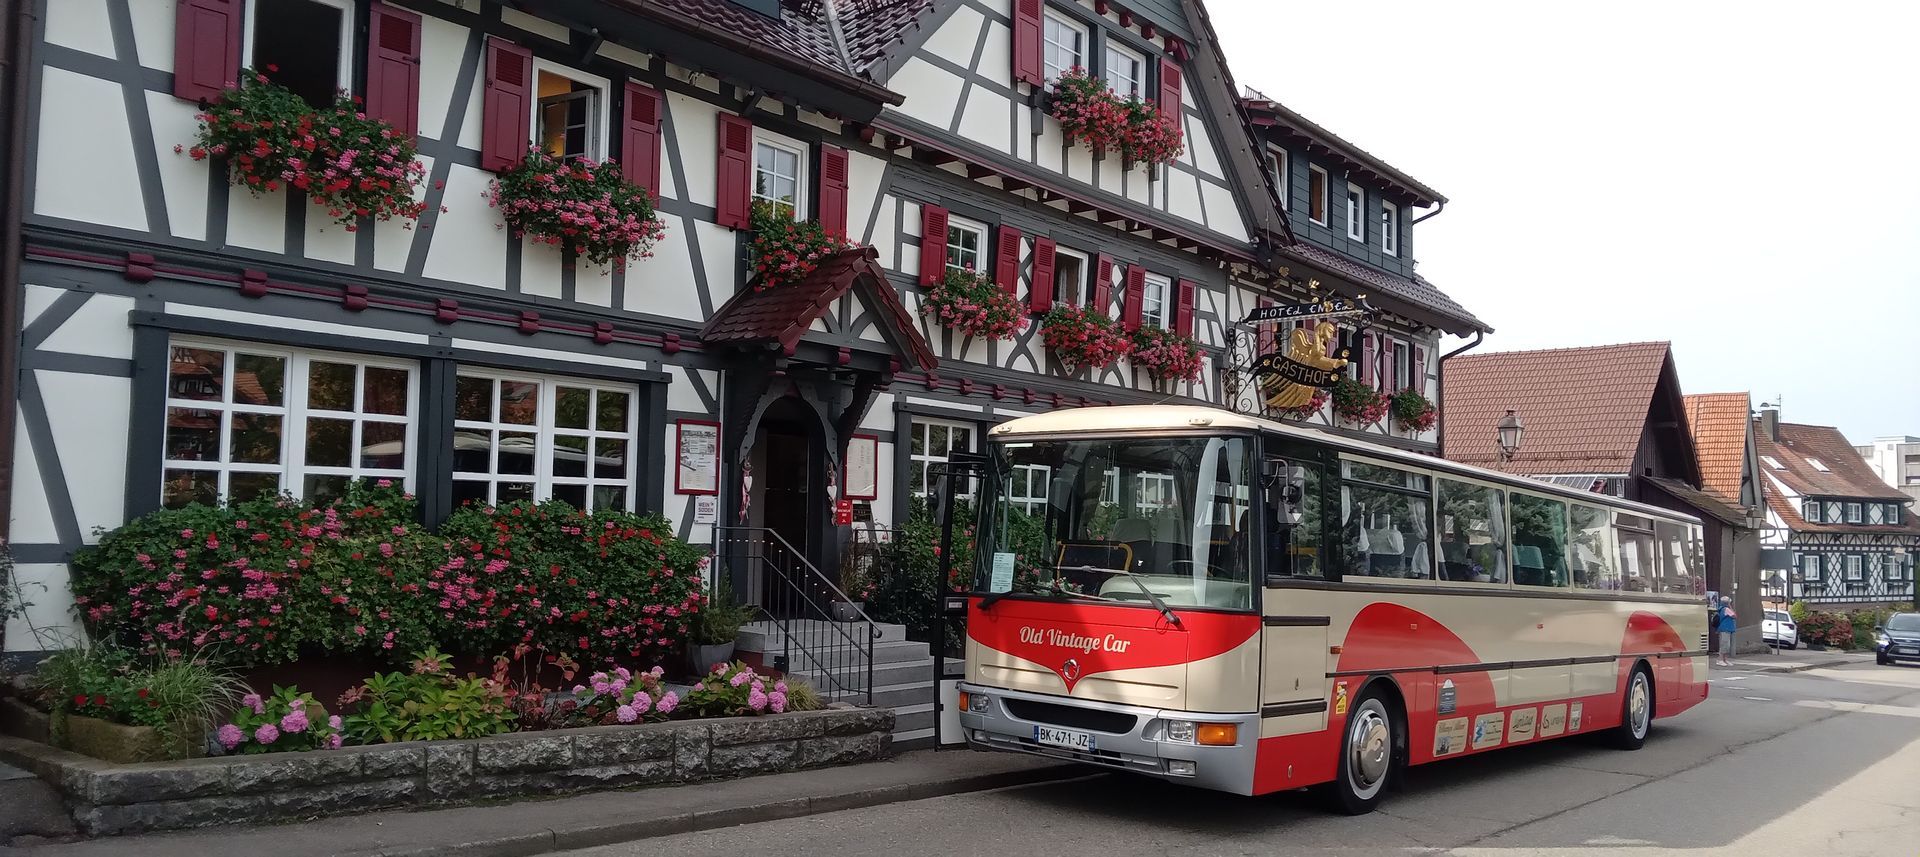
(1778, 630)
(1898, 640)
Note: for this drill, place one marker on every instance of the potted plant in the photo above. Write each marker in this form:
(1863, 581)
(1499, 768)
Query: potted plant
(1087, 110)
(1083, 337)
(786, 251)
(1412, 411)
(968, 302)
(1358, 403)
(1166, 355)
(856, 581)
(1150, 136)
(583, 207)
(716, 627)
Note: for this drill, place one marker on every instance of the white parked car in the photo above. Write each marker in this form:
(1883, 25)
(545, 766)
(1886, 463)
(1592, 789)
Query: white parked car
(1778, 630)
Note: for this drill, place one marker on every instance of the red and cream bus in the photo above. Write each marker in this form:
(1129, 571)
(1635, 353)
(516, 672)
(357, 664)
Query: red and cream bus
(1243, 605)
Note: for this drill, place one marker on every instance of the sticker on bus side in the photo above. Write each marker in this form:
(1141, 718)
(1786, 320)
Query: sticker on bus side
(1488, 729)
(1339, 698)
(1520, 728)
(1553, 720)
(1449, 736)
(1573, 718)
(1448, 698)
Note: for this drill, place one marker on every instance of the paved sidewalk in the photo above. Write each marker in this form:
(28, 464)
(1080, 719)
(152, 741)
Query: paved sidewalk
(1791, 660)
(541, 826)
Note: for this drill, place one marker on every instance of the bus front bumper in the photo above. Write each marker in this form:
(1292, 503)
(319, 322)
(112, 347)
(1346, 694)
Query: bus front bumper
(1120, 737)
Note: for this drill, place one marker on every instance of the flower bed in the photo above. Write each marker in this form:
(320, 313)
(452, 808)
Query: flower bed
(353, 165)
(1358, 403)
(1412, 411)
(586, 207)
(786, 251)
(970, 303)
(1165, 355)
(111, 798)
(1081, 337)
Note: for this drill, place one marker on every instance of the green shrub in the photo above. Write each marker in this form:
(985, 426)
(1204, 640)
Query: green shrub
(1798, 610)
(178, 698)
(426, 704)
(287, 721)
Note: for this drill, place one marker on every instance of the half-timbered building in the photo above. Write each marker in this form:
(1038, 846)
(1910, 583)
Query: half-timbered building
(183, 338)
(1853, 538)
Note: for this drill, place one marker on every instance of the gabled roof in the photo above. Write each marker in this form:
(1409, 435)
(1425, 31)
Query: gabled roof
(1584, 409)
(873, 28)
(1419, 298)
(1707, 502)
(1847, 474)
(799, 40)
(782, 315)
(1283, 121)
(1720, 422)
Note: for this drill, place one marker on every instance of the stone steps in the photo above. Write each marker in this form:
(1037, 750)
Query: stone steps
(902, 676)
(30, 810)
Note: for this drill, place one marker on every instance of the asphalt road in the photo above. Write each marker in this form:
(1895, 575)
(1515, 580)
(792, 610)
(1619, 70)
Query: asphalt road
(1825, 762)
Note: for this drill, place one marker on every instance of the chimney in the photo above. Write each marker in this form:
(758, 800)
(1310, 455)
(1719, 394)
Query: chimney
(1770, 423)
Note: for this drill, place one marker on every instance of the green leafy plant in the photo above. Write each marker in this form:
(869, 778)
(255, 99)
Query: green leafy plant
(271, 139)
(735, 690)
(586, 207)
(427, 703)
(786, 251)
(1412, 411)
(720, 618)
(1798, 611)
(1357, 402)
(178, 698)
(969, 302)
(285, 721)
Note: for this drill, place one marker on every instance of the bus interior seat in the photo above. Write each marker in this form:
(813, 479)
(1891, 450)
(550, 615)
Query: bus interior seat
(1529, 567)
(1077, 555)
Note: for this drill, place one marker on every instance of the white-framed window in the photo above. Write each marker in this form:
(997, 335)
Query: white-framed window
(1403, 366)
(1810, 565)
(1356, 212)
(569, 112)
(780, 173)
(1126, 70)
(1281, 174)
(246, 421)
(303, 45)
(1876, 514)
(1027, 487)
(1156, 306)
(1153, 491)
(1893, 513)
(933, 441)
(1389, 228)
(1064, 44)
(1773, 462)
(1318, 184)
(966, 245)
(531, 437)
(1818, 464)
(1853, 567)
(1811, 511)
(1070, 280)
(1853, 513)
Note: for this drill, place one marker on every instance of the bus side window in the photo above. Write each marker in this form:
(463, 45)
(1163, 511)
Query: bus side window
(1293, 533)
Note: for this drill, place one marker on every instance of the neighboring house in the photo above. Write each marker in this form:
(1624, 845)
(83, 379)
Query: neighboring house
(1353, 215)
(1853, 537)
(1608, 418)
(185, 340)
(1896, 460)
(1730, 478)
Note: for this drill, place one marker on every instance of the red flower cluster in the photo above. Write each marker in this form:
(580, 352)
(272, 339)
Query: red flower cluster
(1083, 337)
(1412, 411)
(786, 251)
(1091, 113)
(1165, 354)
(1358, 403)
(581, 205)
(968, 302)
(1151, 137)
(1312, 406)
(355, 166)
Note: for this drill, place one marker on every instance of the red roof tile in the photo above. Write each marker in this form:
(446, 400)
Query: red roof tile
(1584, 409)
(783, 314)
(1719, 424)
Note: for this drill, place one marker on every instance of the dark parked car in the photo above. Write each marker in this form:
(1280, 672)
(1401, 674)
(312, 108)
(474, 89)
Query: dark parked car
(1898, 640)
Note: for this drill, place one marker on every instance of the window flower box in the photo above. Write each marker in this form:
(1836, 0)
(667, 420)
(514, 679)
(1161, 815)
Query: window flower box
(1357, 403)
(1166, 355)
(786, 251)
(968, 302)
(579, 205)
(1082, 337)
(1091, 114)
(1412, 411)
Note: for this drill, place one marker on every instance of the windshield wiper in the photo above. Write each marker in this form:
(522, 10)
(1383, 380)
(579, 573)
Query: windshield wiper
(1152, 596)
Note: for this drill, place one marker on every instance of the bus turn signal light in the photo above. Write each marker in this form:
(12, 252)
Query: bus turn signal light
(1217, 734)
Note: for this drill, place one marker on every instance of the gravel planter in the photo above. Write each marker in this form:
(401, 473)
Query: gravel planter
(109, 798)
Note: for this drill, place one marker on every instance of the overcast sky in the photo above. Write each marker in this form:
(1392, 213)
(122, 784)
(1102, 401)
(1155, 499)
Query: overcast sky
(1741, 179)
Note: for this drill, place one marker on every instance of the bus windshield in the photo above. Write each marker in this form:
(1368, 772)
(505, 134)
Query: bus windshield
(1112, 519)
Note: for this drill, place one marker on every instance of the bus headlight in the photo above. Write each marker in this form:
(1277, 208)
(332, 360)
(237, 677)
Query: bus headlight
(976, 703)
(1181, 731)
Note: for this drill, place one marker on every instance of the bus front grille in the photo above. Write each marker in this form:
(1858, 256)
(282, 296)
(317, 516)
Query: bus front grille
(1111, 722)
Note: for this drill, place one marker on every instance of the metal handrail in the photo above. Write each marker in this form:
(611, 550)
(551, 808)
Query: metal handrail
(796, 554)
(823, 656)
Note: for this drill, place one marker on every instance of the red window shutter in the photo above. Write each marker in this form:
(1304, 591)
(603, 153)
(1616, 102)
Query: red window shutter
(833, 189)
(1103, 284)
(1006, 260)
(734, 173)
(393, 67)
(508, 106)
(1136, 294)
(1263, 341)
(1040, 291)
(933, 244)
(1170, 87)
(206, 48)
(640, 139)
(1388, 369)
(1183, 311)
(1418, 383)
(1367, 345)
(1026, 42)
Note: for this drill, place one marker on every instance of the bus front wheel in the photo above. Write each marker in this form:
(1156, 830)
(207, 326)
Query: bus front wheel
(1636, 711)
(1366, 757)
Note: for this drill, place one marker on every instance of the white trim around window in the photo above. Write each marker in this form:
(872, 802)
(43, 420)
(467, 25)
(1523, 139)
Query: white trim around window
(1356, 212)
(343, 74)
(1281, 173)
(1156, 304)
(780, 167)
(1125, 70)
(1063, 44)
(1810, 510)
(1389, 228)
(596, 104)
(1853, 567)
(1810, 564)
(1071, 280)
(931, 442)
(1853, 513)
(246, 421)
(966, 245)
(1319, 185)
(534, 437)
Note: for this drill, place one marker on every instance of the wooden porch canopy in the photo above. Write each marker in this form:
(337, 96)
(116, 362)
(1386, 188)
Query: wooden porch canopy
(780, 316)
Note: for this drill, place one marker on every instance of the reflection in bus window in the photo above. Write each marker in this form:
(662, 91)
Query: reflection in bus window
(1539, 541)
(1678, 572)
(1385, 522)
(1593, 566)
(1637, 571)
(1473, 532)
(1296, 551)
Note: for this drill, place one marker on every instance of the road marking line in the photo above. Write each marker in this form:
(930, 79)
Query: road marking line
(1759, 698)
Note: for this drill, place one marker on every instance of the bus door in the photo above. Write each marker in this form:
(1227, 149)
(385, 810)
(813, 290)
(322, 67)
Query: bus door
(1293, 657)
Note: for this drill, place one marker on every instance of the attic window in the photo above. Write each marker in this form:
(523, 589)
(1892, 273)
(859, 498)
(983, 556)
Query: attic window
(1817, 465)
(1773, 462)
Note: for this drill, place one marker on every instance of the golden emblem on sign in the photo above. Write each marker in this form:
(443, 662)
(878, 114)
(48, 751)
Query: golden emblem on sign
(1311, 345)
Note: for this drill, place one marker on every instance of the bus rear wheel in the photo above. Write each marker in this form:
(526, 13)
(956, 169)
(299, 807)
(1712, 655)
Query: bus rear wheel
(1367, 757)
(1636, 711)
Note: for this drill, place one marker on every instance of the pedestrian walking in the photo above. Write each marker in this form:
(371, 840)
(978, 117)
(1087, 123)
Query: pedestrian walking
(1727, 622)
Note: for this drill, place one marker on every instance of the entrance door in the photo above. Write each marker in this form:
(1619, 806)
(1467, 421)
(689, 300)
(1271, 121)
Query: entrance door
(786, 487)
(784, 474)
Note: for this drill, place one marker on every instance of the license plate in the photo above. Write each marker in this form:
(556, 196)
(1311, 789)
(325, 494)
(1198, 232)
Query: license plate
(1903, 650)
(1067, 738)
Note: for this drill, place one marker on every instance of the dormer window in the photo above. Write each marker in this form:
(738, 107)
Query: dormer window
(1853, 513)
(1065, 45)
(1356, 212)
(1389, 228)
(1126, 70)
(1280, 175)
(1811, 511)
(1818, 464)
(1773, 462)
(1317, 185)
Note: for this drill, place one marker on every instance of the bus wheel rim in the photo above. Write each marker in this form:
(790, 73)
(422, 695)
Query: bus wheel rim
(1369, 742)
(1637, 707)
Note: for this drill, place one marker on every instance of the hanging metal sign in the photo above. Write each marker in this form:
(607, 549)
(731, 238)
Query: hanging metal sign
(1329, 308)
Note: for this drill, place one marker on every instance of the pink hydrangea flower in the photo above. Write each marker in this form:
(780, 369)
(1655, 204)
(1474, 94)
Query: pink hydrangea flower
(642, 703)
(626, 714)
(295, 722)
(266, 734)
(777, 701)
(668, 703)
(230, 736)
(780, 686)
(740, 678)
(657, 671)
(253, 701)
(755, 700)
(333, 722)
(334, 741)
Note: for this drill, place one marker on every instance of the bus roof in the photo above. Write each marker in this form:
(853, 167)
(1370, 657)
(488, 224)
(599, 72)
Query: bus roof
(1155, 418)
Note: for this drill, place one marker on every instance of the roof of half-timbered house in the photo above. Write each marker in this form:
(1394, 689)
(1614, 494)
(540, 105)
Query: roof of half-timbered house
(1845, 475)
(1415, 297)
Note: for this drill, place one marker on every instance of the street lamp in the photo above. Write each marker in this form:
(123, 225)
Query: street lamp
(1508, 434)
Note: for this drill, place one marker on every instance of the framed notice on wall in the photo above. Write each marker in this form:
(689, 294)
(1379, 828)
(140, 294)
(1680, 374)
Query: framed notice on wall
(697, 457)
(861, 480)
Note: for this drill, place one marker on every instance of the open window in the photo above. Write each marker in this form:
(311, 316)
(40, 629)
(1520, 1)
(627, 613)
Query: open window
(1070, 279)
(303, 45)
(1317, 194)
(569, 113)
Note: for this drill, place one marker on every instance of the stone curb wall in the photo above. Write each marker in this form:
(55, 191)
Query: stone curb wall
(110, 798)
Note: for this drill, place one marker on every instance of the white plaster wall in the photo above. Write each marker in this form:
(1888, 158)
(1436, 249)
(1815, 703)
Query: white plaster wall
(1183, 197)
(257, 221)
(442, 44)
(696, 128)
(720, 252)
(393, 239)
(663, 283)
(987, 121)
(80, 25)
(88, 177)
(540, 265)
(98, 329)
(182, 179)
(32, 519)
(538, 26)
(1223, 215)
(326, 240)
(593, 284)
(153, 32)
(931, 92)
(469, 243)
(292, 323)
(585, 361)
(89, 414)
(38, 299)
(46, 623)
(864, 173)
